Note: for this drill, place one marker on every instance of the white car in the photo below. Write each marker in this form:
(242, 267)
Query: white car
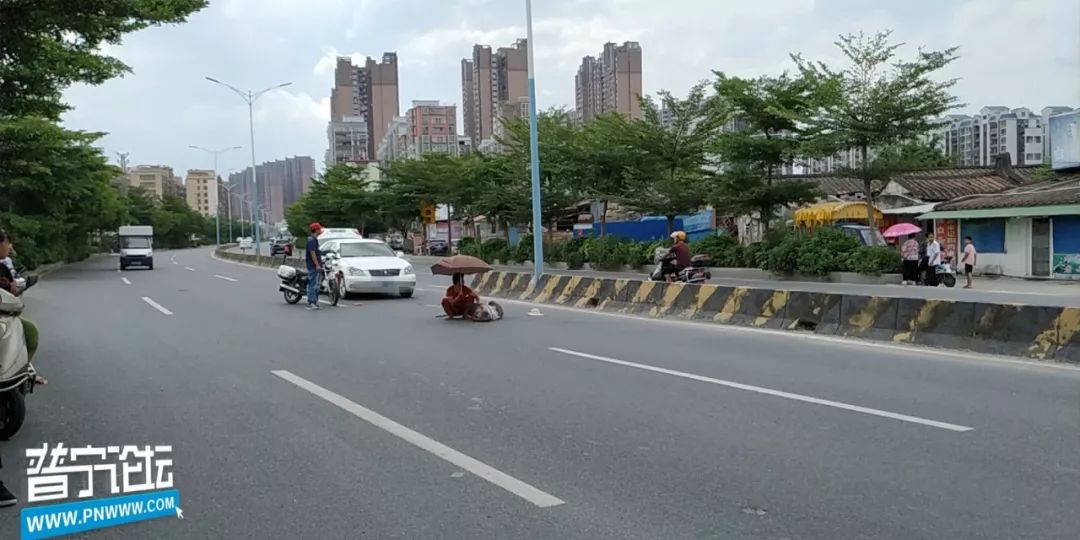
(370, 266)
(337, 234)
(247, 243)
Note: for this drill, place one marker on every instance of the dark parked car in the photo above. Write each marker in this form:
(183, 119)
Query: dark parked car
(281, 246)
(438, 247)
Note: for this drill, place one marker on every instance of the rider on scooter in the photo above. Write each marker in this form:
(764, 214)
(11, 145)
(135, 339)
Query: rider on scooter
(678, 256)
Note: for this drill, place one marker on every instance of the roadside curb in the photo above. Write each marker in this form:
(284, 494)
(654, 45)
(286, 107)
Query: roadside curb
(1033, 332)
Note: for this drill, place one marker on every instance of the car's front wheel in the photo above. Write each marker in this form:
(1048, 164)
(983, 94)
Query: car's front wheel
(407, 293)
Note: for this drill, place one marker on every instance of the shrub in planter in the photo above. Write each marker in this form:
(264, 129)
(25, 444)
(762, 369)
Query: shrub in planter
(523, 251)
(575, 260)
(469, 246)
(606, 253)
(826, 250)
(781, 258)
(494, 249)
(554, 252)
(713, 246)
(875, 260)
(755, 256)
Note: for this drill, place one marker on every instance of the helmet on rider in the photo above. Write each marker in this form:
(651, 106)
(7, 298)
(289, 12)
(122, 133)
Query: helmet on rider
(678, 236)
(316, 227)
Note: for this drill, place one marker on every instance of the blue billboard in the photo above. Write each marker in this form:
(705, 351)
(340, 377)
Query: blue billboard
(1064, 141)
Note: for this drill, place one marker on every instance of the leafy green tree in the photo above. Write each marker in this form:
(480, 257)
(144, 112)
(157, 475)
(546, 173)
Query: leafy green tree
(48, 45)
(876, 102)
(602, 158)
(559, 172)
(767, 139)
(668, 174)
(56, 186)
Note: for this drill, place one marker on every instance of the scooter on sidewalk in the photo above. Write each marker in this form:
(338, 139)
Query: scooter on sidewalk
(946, 273)
(17, 374)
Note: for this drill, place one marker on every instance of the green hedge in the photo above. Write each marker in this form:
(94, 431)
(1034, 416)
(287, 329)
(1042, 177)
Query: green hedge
(783, 251)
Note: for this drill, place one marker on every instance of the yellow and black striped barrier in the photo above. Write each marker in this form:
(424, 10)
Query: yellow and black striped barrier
(1038, 332)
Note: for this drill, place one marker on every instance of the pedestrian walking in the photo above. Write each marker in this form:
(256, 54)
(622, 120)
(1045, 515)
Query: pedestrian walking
(933, 259)
(968, 259)
(909, 251)
(313, 260)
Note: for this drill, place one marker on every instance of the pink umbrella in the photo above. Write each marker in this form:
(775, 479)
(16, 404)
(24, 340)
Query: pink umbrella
(901, 229)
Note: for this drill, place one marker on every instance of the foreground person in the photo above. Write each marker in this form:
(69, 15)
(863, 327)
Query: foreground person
(459, 298)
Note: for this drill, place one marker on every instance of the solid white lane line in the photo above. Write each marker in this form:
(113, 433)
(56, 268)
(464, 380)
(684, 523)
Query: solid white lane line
(157, 306)
(495, 476)
(226, 278)
(189, 269)
(125, 280)
(770, 392)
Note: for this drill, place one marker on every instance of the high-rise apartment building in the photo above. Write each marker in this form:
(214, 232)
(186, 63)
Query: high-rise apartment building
(201, 188)
(158, 180)
(432, 128)
(349, 141)
(609, 82)
(490, 82)
(281, 183)
(977, 140)
(368, 92)
(395, 144)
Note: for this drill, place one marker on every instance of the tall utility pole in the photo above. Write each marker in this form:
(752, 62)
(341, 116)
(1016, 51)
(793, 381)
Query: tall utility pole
(250, 97)
(216, 153)
(534, 152)
(228, 198)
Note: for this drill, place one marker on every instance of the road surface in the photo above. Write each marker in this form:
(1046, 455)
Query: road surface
(378, 420)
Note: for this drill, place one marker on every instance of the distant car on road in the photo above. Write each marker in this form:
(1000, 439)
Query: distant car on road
(438, 248)
(247, 243)
(281, 246)
(370, 266)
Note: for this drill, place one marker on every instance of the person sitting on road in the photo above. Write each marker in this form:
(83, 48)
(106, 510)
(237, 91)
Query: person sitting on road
(678, 256)
(459, 298)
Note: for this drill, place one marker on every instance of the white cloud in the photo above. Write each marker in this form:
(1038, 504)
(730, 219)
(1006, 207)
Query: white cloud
(1013, 52)
(328, 61)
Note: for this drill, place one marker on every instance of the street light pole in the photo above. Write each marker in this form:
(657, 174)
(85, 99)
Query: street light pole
(217, 214)
(250, 97)
(534, 151)
(228, 204)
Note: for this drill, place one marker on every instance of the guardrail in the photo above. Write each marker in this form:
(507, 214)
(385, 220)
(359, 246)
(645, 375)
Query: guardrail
(1036, 332)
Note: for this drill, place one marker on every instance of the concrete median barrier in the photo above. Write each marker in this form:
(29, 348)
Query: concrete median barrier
(868, 317)
(936, 323)
(810, 311)
(1038, 332)
(1068, 336)
(1015, 330)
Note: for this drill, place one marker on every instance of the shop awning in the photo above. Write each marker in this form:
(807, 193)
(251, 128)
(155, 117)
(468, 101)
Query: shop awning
(831, 212)
(1020, 211)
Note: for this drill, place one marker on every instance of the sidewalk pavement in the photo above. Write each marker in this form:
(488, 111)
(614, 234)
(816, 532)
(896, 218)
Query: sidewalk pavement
(993, 290)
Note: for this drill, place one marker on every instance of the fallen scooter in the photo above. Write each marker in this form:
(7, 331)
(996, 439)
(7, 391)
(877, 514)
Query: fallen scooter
(17, 374)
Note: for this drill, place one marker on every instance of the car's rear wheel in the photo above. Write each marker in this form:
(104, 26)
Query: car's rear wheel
(407, 293)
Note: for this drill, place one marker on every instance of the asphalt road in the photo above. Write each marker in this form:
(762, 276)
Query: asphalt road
(378, 420)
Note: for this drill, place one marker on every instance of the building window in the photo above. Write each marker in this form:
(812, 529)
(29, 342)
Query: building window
(1038, 139)
(988, 235)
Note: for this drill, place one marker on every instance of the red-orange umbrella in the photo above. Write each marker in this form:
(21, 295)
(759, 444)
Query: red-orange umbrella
(460, 264)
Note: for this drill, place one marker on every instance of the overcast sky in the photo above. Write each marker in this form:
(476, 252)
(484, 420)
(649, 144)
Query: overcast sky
(1013, 52)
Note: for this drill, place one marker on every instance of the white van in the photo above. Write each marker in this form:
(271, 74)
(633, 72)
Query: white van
(136, 246)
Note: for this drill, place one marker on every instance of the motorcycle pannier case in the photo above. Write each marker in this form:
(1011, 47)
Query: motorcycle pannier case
(286, 272)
